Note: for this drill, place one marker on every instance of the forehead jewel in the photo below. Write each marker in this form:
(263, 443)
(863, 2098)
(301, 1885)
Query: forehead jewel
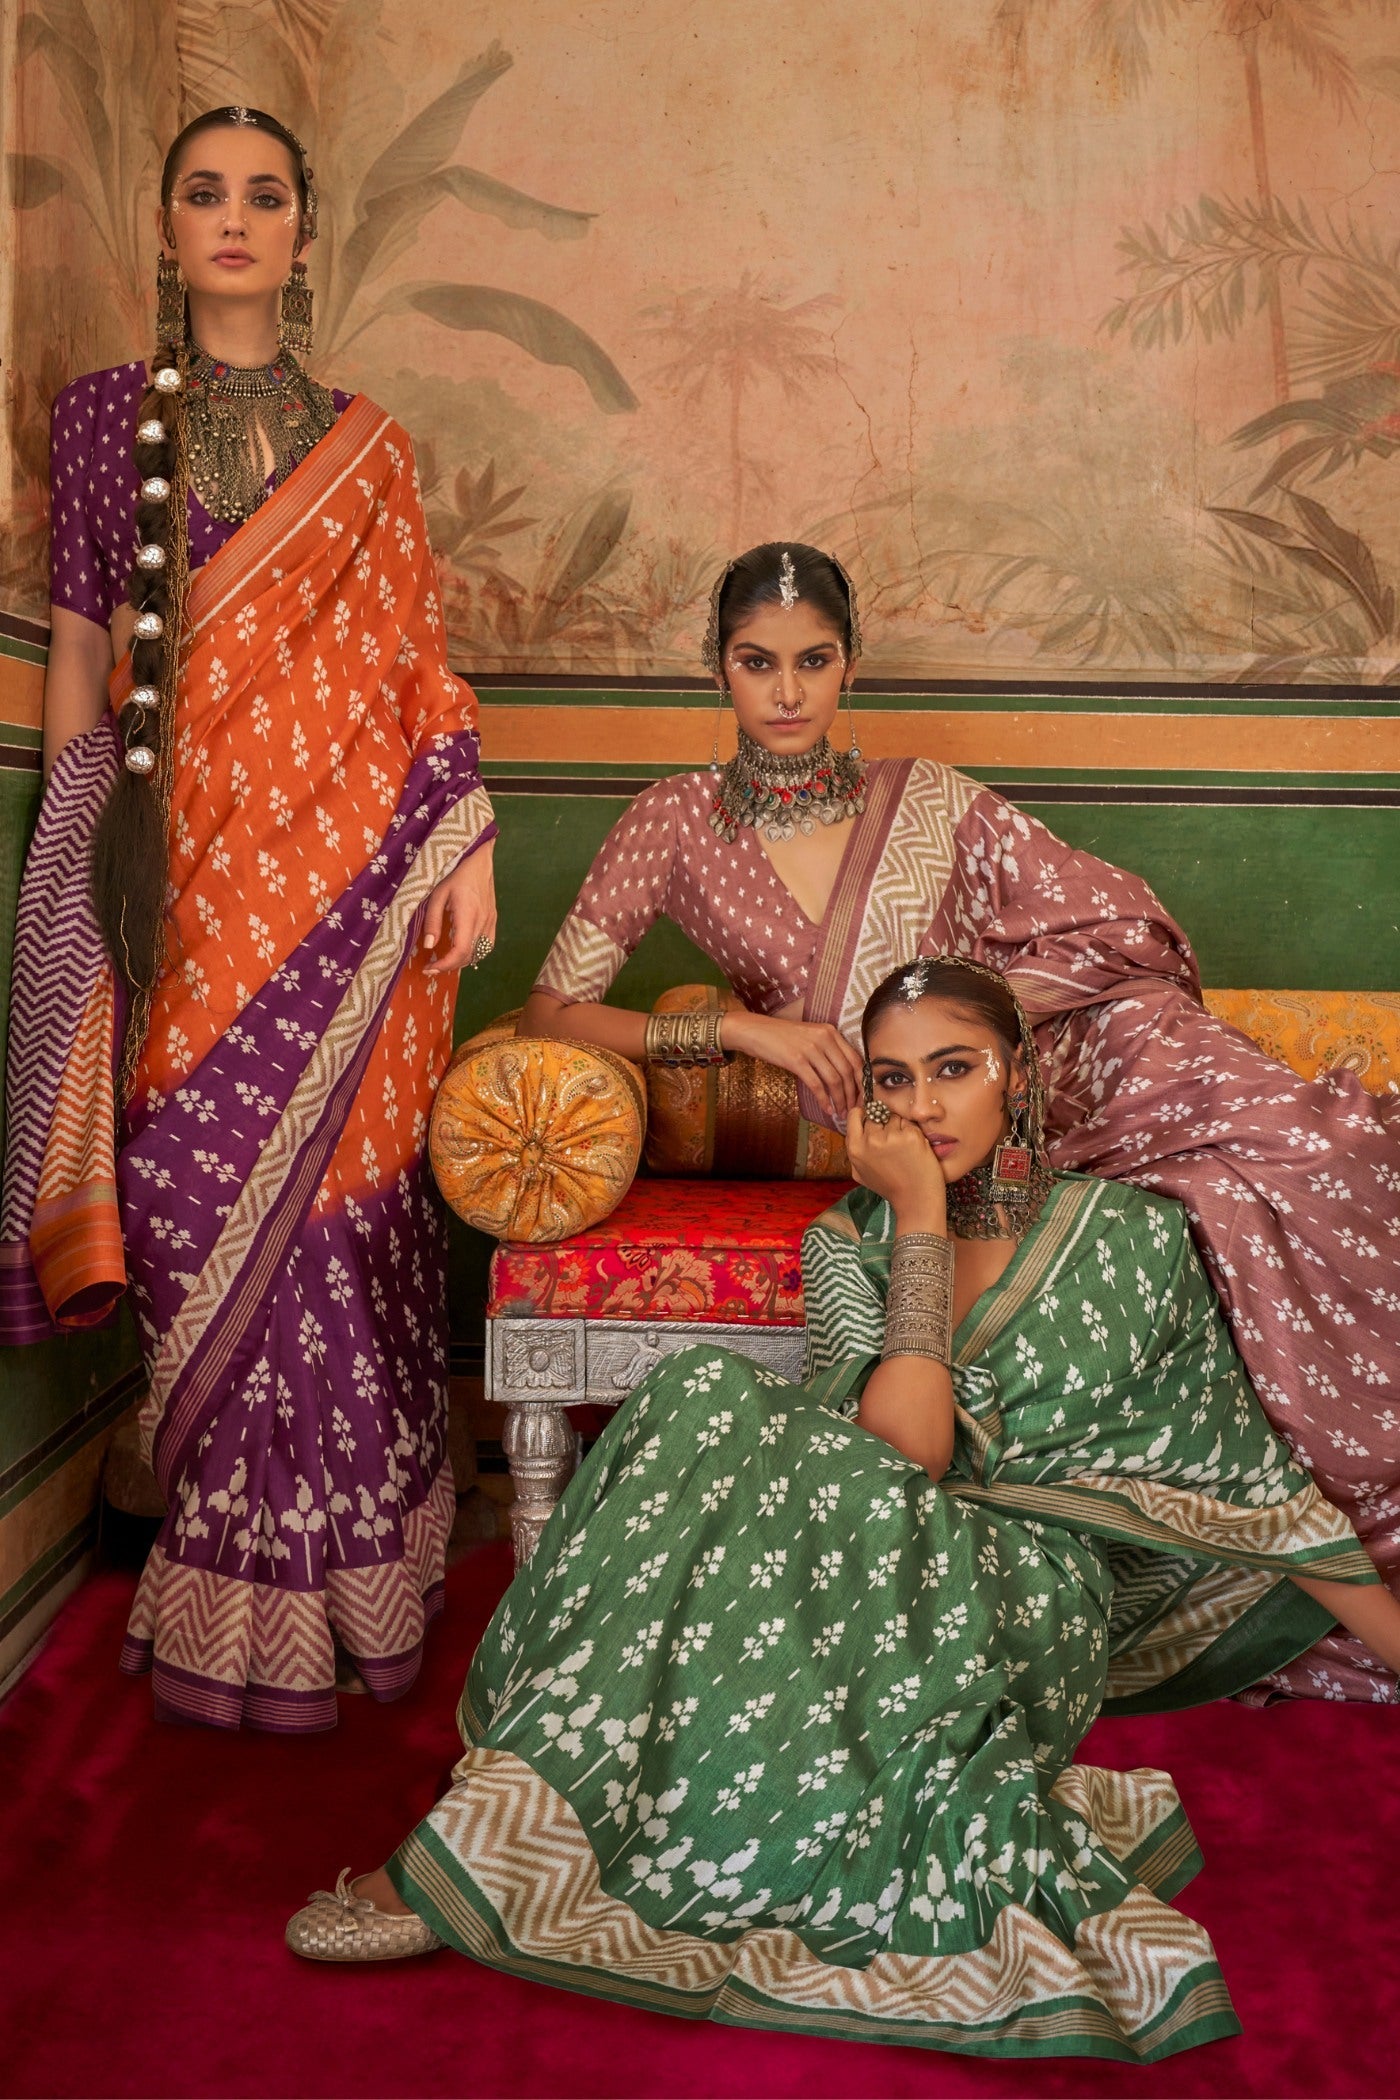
(787, 582)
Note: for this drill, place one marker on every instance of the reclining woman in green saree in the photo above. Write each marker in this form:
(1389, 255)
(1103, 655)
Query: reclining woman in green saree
(778, 1726)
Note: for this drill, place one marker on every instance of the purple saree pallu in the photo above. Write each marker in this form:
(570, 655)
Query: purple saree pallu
(60, 970)
(297, 1411)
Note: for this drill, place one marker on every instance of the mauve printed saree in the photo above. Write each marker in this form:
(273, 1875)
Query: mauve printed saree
(1292, 1186)
(284, 1247)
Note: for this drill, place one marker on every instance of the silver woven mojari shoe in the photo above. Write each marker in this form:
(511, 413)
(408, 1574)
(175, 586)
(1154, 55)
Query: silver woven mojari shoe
(342, 1926)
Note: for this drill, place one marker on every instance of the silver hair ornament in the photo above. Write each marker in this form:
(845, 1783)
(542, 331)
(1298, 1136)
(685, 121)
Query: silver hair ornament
(787, 582)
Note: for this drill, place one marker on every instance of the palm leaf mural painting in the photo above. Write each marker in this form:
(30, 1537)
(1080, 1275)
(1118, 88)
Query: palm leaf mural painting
(1300, 594)
(1331, 292)
(732, 341)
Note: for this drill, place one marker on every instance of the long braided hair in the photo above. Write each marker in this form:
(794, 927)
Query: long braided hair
(131, 846)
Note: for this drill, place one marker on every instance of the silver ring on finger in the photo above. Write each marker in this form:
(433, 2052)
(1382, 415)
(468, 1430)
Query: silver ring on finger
(481, 950)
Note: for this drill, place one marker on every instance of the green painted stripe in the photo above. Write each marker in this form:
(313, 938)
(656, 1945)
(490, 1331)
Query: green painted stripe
(928, 701)
(27, 1475)
(22, 651)
(544, 770)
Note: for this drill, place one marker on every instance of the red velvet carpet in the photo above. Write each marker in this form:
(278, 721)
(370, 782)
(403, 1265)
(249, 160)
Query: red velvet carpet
(146, 1872)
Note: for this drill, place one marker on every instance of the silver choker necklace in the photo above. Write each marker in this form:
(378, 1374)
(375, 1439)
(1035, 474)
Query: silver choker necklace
(782, 796)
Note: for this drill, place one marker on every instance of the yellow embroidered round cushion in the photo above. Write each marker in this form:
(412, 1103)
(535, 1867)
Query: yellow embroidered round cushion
(534, 1139)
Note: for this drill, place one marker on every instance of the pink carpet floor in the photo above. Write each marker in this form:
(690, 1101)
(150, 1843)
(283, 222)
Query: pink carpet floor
(146, 1872)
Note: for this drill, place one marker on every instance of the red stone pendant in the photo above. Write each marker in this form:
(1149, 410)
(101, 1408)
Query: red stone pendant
(1012, 1163)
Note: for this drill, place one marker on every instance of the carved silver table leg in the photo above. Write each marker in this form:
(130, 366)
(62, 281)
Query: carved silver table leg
(542, 1446)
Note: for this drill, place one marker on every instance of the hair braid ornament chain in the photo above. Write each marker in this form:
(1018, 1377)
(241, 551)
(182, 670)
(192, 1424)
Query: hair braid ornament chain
(158, 590)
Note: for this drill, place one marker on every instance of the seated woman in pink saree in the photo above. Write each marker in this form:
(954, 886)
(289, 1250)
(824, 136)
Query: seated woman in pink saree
(312, 794)
(807, 874)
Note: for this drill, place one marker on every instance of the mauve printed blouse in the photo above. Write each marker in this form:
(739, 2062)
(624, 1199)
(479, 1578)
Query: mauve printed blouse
(93, 487)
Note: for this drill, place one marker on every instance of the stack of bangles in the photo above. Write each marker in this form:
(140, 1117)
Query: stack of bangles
(919, 1307)
(684, 1039)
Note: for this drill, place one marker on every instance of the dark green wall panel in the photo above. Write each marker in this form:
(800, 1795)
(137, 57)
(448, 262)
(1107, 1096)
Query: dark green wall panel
(1301, 897)
(1305, 898)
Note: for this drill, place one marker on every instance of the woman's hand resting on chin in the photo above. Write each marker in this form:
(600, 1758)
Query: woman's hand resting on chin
(817, 1054)
(464, 902)
(896, 1161)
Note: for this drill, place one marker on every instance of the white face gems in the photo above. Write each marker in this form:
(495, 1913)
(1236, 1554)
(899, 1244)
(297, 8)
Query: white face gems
(992, 1064)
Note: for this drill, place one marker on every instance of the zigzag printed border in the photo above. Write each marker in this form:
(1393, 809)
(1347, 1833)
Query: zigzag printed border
(502, 1869)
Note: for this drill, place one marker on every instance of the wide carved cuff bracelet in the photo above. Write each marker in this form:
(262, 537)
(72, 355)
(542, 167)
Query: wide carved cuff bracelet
(684, 1039)
(919, 1307)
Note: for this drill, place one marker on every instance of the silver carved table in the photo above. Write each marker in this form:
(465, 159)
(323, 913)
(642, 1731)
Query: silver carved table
(538, 1369)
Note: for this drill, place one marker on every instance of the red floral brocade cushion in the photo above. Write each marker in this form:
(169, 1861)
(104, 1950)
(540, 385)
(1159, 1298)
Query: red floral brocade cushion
(673, 1250)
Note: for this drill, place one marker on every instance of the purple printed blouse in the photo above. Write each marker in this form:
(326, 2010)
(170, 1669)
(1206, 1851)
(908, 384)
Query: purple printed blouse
(93, 486)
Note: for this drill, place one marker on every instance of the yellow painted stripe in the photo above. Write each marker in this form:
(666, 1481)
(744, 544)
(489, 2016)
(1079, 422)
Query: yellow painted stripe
(1111, 743)
(21, 693)
(51, 1512)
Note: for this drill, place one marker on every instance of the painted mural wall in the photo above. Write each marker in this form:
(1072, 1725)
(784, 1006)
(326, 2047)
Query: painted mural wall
(1072, 325)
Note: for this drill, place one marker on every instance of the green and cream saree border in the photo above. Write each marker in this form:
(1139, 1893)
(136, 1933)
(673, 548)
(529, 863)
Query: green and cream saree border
(503, 1870)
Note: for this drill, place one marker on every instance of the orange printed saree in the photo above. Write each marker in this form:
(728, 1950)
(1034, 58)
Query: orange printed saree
(284, 1248)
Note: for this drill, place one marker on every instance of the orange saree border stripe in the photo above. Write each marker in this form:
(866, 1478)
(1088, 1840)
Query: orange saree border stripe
(76, 1248)
(290, 509)
(1101, 743)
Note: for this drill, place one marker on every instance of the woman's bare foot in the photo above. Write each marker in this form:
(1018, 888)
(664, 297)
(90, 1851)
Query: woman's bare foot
(381, 1892)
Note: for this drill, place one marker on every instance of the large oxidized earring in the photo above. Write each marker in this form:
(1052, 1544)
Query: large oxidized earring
(875, 1111)
(170, 304)
(1012, 1162)
(295, 330)
(715, 768)
(851, 718)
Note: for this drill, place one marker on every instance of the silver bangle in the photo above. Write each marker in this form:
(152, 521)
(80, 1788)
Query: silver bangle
(684, 1039)
(919, 1304)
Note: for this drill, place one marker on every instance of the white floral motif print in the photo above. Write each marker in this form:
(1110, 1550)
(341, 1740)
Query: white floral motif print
(648, 1512)
(822, 1503)
(745, 1782)
(752, 1710)
(757, 1645)
(829, 1765)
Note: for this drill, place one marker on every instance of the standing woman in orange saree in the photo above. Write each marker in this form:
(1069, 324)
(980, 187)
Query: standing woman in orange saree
(254, 878)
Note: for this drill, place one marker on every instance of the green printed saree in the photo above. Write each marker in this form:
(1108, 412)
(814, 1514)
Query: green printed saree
(775, 1731)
